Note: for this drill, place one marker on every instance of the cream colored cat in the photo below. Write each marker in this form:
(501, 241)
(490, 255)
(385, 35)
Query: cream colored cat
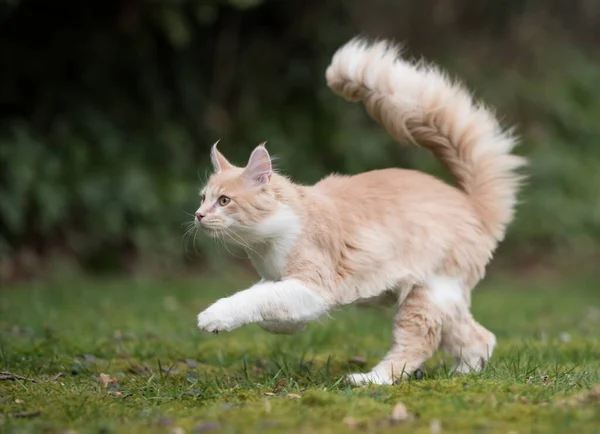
(390, 234)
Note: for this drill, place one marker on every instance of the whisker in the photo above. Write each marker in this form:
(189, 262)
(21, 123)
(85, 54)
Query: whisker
(187, 213)
(186, 240)
(194, 243)
(238, 239)
(227, 247)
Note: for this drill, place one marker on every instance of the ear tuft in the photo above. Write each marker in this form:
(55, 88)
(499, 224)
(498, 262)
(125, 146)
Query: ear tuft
(219, 162)
(259, 168)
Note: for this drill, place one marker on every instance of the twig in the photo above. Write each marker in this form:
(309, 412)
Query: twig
(9, 376)
(14, 377)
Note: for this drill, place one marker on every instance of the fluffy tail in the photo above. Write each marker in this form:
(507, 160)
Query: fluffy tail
(418, 103)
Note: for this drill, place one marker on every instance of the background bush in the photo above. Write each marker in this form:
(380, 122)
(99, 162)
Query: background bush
(108, 110)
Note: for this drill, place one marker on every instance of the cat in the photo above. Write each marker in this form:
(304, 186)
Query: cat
(394, 235)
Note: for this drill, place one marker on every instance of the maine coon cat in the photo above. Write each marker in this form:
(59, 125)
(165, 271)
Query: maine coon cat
(383, 235)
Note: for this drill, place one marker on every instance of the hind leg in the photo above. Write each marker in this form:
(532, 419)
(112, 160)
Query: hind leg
(468, 342)
(417, 334)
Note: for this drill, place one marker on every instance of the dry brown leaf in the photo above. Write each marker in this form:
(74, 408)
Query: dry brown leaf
(269, 394)
(107, 380)
(294, 395)
(280, 384)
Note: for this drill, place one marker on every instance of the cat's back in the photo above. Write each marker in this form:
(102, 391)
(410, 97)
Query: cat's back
(389, 185)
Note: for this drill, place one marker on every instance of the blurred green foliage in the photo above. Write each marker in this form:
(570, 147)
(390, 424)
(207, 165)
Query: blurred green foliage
(108, 110)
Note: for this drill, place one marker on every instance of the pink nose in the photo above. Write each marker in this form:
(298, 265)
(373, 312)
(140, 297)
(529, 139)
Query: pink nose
(199, 216)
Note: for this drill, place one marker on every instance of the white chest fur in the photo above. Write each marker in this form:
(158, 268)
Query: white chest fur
(279, 232)
(268, 260)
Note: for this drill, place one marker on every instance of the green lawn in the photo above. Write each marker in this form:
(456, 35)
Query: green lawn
(165, 376)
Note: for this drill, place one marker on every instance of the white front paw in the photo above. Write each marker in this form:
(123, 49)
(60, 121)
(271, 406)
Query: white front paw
(219, 318)
(372, 377)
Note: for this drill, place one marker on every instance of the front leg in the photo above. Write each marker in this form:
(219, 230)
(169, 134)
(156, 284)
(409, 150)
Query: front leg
(288, 301)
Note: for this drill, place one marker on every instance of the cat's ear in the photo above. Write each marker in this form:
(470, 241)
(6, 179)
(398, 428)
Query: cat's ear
(219, 162)
(259, 168)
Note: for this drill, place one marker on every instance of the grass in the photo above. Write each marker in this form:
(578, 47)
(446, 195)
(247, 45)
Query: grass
(162, 375)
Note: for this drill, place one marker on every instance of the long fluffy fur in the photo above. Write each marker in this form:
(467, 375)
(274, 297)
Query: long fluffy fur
(419, 103)
(384, 236)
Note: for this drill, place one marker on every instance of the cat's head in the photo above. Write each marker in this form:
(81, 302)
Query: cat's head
(236, 201)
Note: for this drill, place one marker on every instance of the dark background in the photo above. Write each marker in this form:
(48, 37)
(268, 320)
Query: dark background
(108, 110)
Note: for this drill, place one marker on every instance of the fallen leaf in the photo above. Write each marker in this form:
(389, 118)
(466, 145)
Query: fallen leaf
(107, 380)
(19, 401)
(399, 413)
(435, 426)
(177, 430)
(293, 395)
(269, 394)
(280, 384)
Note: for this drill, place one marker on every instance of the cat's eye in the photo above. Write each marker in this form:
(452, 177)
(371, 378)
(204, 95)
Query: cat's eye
(202, 197)
(224, 200)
